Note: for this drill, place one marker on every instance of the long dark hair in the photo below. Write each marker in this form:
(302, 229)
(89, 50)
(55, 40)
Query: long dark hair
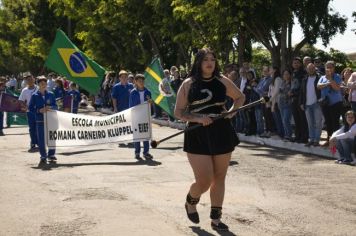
(346, 125)
(277, 73)
(196, 72)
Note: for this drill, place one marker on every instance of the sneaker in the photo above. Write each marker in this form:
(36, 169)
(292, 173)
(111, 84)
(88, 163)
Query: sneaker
(2, 133)
(316, 144)
(345, 162)
(326, 144)
(147, 156)
(43, 161)
(137, 156)
(339, 161)
(33, 149)
(52, 159)
(308, 144)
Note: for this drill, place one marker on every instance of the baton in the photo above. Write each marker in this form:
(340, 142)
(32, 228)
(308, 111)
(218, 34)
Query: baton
(155, 143)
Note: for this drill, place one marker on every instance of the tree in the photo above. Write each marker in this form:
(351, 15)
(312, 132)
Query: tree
(271, 23)
(26, 31)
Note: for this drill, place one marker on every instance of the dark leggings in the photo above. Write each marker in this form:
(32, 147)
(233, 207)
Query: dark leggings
(332, 117)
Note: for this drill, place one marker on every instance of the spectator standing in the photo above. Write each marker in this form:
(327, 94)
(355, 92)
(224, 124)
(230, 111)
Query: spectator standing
(12, 83)
(263, 114)
(250, 126)
(329, 84)
(345, 91)
(351, 84)
(300, 120)
(25, 96)
(273, 93)
(50, 82)
(121, 92)
(176, 80)
(284, 104)
(139, 95)
(344, 139)
(320, 69)
(309, 103)
(247, 67)
(306, 61)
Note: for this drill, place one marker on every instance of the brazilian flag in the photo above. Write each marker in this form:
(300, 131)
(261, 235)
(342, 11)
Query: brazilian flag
(162, 93)
(67, 60)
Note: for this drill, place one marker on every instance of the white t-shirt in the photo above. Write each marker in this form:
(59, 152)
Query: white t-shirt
(50, 85)
(243, 84)
(311, 95)
(26, 94)
(142, 96)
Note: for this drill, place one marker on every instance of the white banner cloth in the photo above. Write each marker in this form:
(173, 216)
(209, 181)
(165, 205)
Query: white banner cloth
(66, 129)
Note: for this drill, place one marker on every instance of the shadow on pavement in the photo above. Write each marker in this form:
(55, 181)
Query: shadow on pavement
(82, 151)
(51, 166)
(233, 163)
(169, 148)
(202, 232)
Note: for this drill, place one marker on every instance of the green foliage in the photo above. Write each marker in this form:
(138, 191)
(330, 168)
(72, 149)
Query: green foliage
(128, 33)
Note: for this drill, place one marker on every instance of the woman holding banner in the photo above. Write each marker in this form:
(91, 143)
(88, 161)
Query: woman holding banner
(200, 98)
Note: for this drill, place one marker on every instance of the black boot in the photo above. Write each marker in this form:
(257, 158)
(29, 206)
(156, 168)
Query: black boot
(193, 217)
(215, 214)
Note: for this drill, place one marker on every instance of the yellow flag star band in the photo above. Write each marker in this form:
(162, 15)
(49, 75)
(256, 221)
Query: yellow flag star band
(68, 54)
(153, 74)
(159, 99)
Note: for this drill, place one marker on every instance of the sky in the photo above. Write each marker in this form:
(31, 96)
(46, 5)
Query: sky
(344, 42)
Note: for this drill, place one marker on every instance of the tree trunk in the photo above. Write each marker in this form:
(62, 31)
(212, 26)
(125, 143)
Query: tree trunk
(283, 42)
(276, 57)
(155, 47)
(241, 40)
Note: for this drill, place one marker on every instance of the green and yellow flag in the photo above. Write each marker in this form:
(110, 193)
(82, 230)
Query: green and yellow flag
(67, 60)
(162, 93)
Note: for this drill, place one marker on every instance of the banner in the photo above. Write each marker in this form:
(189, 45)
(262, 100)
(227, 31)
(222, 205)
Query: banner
(66, 129)
(10, 103)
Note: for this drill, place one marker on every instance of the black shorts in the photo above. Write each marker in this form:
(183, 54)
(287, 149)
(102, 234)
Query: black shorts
(218, 138)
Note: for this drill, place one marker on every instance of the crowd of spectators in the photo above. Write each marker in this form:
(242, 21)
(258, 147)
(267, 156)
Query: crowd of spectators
(302, 100)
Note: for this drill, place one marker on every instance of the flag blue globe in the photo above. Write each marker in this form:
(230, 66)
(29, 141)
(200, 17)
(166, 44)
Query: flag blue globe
(77, 62)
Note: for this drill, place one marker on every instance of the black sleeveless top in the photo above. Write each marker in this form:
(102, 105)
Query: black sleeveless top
(207, 96)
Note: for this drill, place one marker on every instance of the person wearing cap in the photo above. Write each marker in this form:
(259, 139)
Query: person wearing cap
(120, 93)
(139, 95)
(25, 96)
(41, 102)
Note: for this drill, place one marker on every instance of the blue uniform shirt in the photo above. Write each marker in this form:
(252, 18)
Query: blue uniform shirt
(58, 92)
(334, 96)
(76, 99)
(38, 101)
(135, 96)
(122, 94)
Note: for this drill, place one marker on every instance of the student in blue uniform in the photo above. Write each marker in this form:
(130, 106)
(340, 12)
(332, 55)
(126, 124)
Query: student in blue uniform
(120, 93)
(58, 90)
(75, 96)
(138, 96)
(41, 102)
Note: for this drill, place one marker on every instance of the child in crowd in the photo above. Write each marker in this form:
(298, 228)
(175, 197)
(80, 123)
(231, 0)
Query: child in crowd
(41, 102)
(75, 97)
(139, 95)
